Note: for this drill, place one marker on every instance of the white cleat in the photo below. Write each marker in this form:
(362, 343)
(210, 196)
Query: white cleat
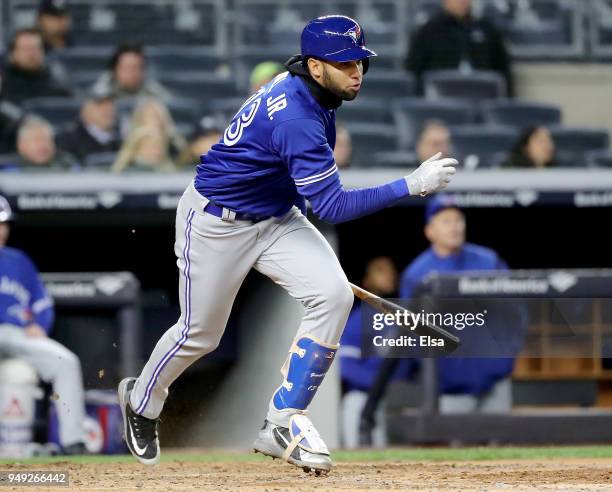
(299, 444)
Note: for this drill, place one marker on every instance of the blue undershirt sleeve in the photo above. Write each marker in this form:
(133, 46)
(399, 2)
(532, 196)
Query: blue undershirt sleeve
(303, 146)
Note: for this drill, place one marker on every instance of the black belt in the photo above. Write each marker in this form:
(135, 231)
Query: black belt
(229, 215)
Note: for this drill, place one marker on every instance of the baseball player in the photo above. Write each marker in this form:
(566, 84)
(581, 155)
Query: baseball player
(246, 209)
(26, 319)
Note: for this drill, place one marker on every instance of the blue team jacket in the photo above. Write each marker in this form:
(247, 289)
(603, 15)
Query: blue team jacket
(457, 375)
(23, 298)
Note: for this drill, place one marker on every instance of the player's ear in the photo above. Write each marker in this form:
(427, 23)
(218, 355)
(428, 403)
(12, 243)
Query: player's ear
(315, 67)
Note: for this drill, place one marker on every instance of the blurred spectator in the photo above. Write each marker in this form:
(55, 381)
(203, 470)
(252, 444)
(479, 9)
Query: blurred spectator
(96, 129)
(434, 137)
(343, 151)
(534, 148)
(36, 148)
(358, 373)
(128, 77)
(54, 22)
(466, 384)
(152, 140)
(263, 73)
(27, 74)
(206, 133)
(453, 39)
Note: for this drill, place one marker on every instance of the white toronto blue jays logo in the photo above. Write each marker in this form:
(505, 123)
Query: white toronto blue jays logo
(354, 33)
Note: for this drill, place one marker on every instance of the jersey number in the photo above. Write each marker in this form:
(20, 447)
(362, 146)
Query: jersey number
(244, 117)
(246, 114)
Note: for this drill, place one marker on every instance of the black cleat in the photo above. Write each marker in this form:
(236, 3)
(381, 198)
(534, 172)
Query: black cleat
(140, 433)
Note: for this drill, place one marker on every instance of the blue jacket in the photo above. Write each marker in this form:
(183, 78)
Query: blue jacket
(23, 298)
(460, 375)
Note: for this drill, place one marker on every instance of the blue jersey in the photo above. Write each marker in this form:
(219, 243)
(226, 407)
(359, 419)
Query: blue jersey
(278, 151)
(460, 375)
(23, 298)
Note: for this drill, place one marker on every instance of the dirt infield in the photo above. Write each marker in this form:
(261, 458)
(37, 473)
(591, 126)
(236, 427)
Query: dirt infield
(557, 474)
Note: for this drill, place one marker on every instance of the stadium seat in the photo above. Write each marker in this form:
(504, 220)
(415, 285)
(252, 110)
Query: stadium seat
(224, 108)
(57, 110)
(600, 19)
(599, 158)
(399, 158)
(83, 81)
(184, 110)
(289, 38)
(84, 58)
(423, 10)
(364, 109)
(476, 85)
(571, 144)
(411, 113)
(548, 34)
(480, 145)
(391, 84)
(182, 59)
(370, 138)
(519, 113)
(200, 86)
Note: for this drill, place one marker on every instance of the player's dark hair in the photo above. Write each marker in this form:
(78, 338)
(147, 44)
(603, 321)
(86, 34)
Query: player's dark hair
(122, 50)
(23, 32)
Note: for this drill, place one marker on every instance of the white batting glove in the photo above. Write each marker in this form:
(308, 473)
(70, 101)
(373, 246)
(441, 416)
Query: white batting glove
(431, 176)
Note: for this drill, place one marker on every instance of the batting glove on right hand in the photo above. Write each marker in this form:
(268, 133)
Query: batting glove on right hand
(431, 176)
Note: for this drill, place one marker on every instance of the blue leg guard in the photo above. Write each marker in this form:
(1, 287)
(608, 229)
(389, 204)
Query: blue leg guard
(304, 370)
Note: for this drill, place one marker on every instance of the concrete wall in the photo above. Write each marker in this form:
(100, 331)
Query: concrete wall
(583, 91)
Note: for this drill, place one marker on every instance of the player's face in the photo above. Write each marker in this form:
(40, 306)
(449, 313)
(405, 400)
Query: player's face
(4, 233)
(343, 78)
(446, 230)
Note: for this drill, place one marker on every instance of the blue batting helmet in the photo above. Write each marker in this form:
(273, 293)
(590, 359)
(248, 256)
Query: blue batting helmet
(334, 38)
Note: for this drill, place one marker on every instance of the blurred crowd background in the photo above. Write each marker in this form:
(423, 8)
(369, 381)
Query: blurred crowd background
(150, 85)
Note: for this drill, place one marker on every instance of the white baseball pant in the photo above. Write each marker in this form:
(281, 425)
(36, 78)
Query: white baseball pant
(57, 365)
(214, 257)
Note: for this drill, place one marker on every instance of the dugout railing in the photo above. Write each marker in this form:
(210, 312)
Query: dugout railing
(561, 374)
(116, 293)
